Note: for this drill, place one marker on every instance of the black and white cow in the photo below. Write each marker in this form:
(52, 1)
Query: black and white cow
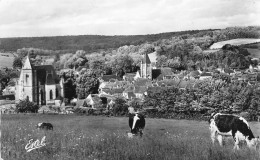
(231, 125)
(136, 123)
(44, 126)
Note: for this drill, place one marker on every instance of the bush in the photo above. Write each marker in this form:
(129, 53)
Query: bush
(26, 106)
(120, 107)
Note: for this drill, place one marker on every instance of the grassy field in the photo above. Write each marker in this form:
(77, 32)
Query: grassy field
(6, 60)
(90, 137)
(236, 42)
(255, 53)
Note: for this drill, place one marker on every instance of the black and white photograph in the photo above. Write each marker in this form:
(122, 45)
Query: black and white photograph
(129, 79)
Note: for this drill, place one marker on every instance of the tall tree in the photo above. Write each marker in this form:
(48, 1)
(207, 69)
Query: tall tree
(87, 83)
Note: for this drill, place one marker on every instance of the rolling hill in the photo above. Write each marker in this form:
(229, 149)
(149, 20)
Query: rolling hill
(89, 43)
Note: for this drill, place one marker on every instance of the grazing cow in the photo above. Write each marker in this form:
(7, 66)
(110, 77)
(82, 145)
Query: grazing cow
(45, 126)
(231, 125)
(136, 123)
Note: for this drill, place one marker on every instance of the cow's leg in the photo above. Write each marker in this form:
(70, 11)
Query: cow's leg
(236, 146)
(141, 132)
(236, 140)
(212, 134)
(220, 139)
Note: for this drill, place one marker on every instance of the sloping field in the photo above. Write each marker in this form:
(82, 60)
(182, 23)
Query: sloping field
(6, 60)
(255, 53)
(97, 137)
(235, 42)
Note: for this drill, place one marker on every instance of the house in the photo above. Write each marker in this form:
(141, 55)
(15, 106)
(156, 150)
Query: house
(129, 77)
(143, 82)
(108, 78)
(184, 84)
(118, 92)
(38, 84)
(140, 91)
(94, 101)
(226, 70)
(163, 73)
(129, 95)
(195, 74)
(229, 71)
(138, 75)
(205, 75)
(9, 90)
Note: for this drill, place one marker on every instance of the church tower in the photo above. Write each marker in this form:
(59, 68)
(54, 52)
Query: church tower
(26, 81)
(146, 67)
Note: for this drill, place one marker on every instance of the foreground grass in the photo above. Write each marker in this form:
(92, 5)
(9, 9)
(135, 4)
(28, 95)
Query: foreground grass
(89, 137)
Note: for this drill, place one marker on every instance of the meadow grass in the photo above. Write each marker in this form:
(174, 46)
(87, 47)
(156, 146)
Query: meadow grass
(91, 137)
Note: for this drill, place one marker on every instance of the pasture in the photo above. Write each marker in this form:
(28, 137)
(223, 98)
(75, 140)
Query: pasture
(6, 60)
(235, 42)
(97, 137)
(255, 53)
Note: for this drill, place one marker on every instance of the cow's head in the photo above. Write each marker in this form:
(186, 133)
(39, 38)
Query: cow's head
(254, 142)
(38, 125)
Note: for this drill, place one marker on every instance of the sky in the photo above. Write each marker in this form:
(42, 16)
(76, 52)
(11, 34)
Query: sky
(34, 18)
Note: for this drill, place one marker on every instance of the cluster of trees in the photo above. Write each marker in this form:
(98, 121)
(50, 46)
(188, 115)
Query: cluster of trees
(7, 77)
(217, 95)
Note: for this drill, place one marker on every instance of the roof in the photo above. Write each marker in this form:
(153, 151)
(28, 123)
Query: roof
(185, 84)
(130, 74)
(166, 71)
(130, 88)
(131, 94)
(153, 57)
(146, 59)
(107, 96)
(227, 70)
(106, 78)
(116, 91)
(142, 82)
(48, 68)
(205, 74)
(195, 73)
(140, 89)
(169, 82)
(50, 79)
(80, 102)
(162, 72)
(46, 74)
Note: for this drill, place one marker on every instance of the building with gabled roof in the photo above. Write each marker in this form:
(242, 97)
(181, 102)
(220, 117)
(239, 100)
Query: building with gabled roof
(163, 73)
(39, 84)
(146, 67)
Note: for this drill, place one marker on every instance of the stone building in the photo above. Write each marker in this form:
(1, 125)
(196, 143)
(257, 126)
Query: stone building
(146, 67)
(39, 84)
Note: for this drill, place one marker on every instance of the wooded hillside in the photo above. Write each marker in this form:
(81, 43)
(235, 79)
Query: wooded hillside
(88, 43)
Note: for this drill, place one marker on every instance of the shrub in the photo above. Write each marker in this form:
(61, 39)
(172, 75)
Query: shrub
(120, 107)
(26, 106)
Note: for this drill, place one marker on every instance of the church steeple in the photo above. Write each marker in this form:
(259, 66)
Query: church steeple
(146, 59)
(146, 68)
(27, 63)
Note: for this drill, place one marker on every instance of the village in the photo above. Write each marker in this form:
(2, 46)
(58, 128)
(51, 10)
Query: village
(41, 85)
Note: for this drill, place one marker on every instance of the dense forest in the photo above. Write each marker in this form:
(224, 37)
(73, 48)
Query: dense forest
(88, 43)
